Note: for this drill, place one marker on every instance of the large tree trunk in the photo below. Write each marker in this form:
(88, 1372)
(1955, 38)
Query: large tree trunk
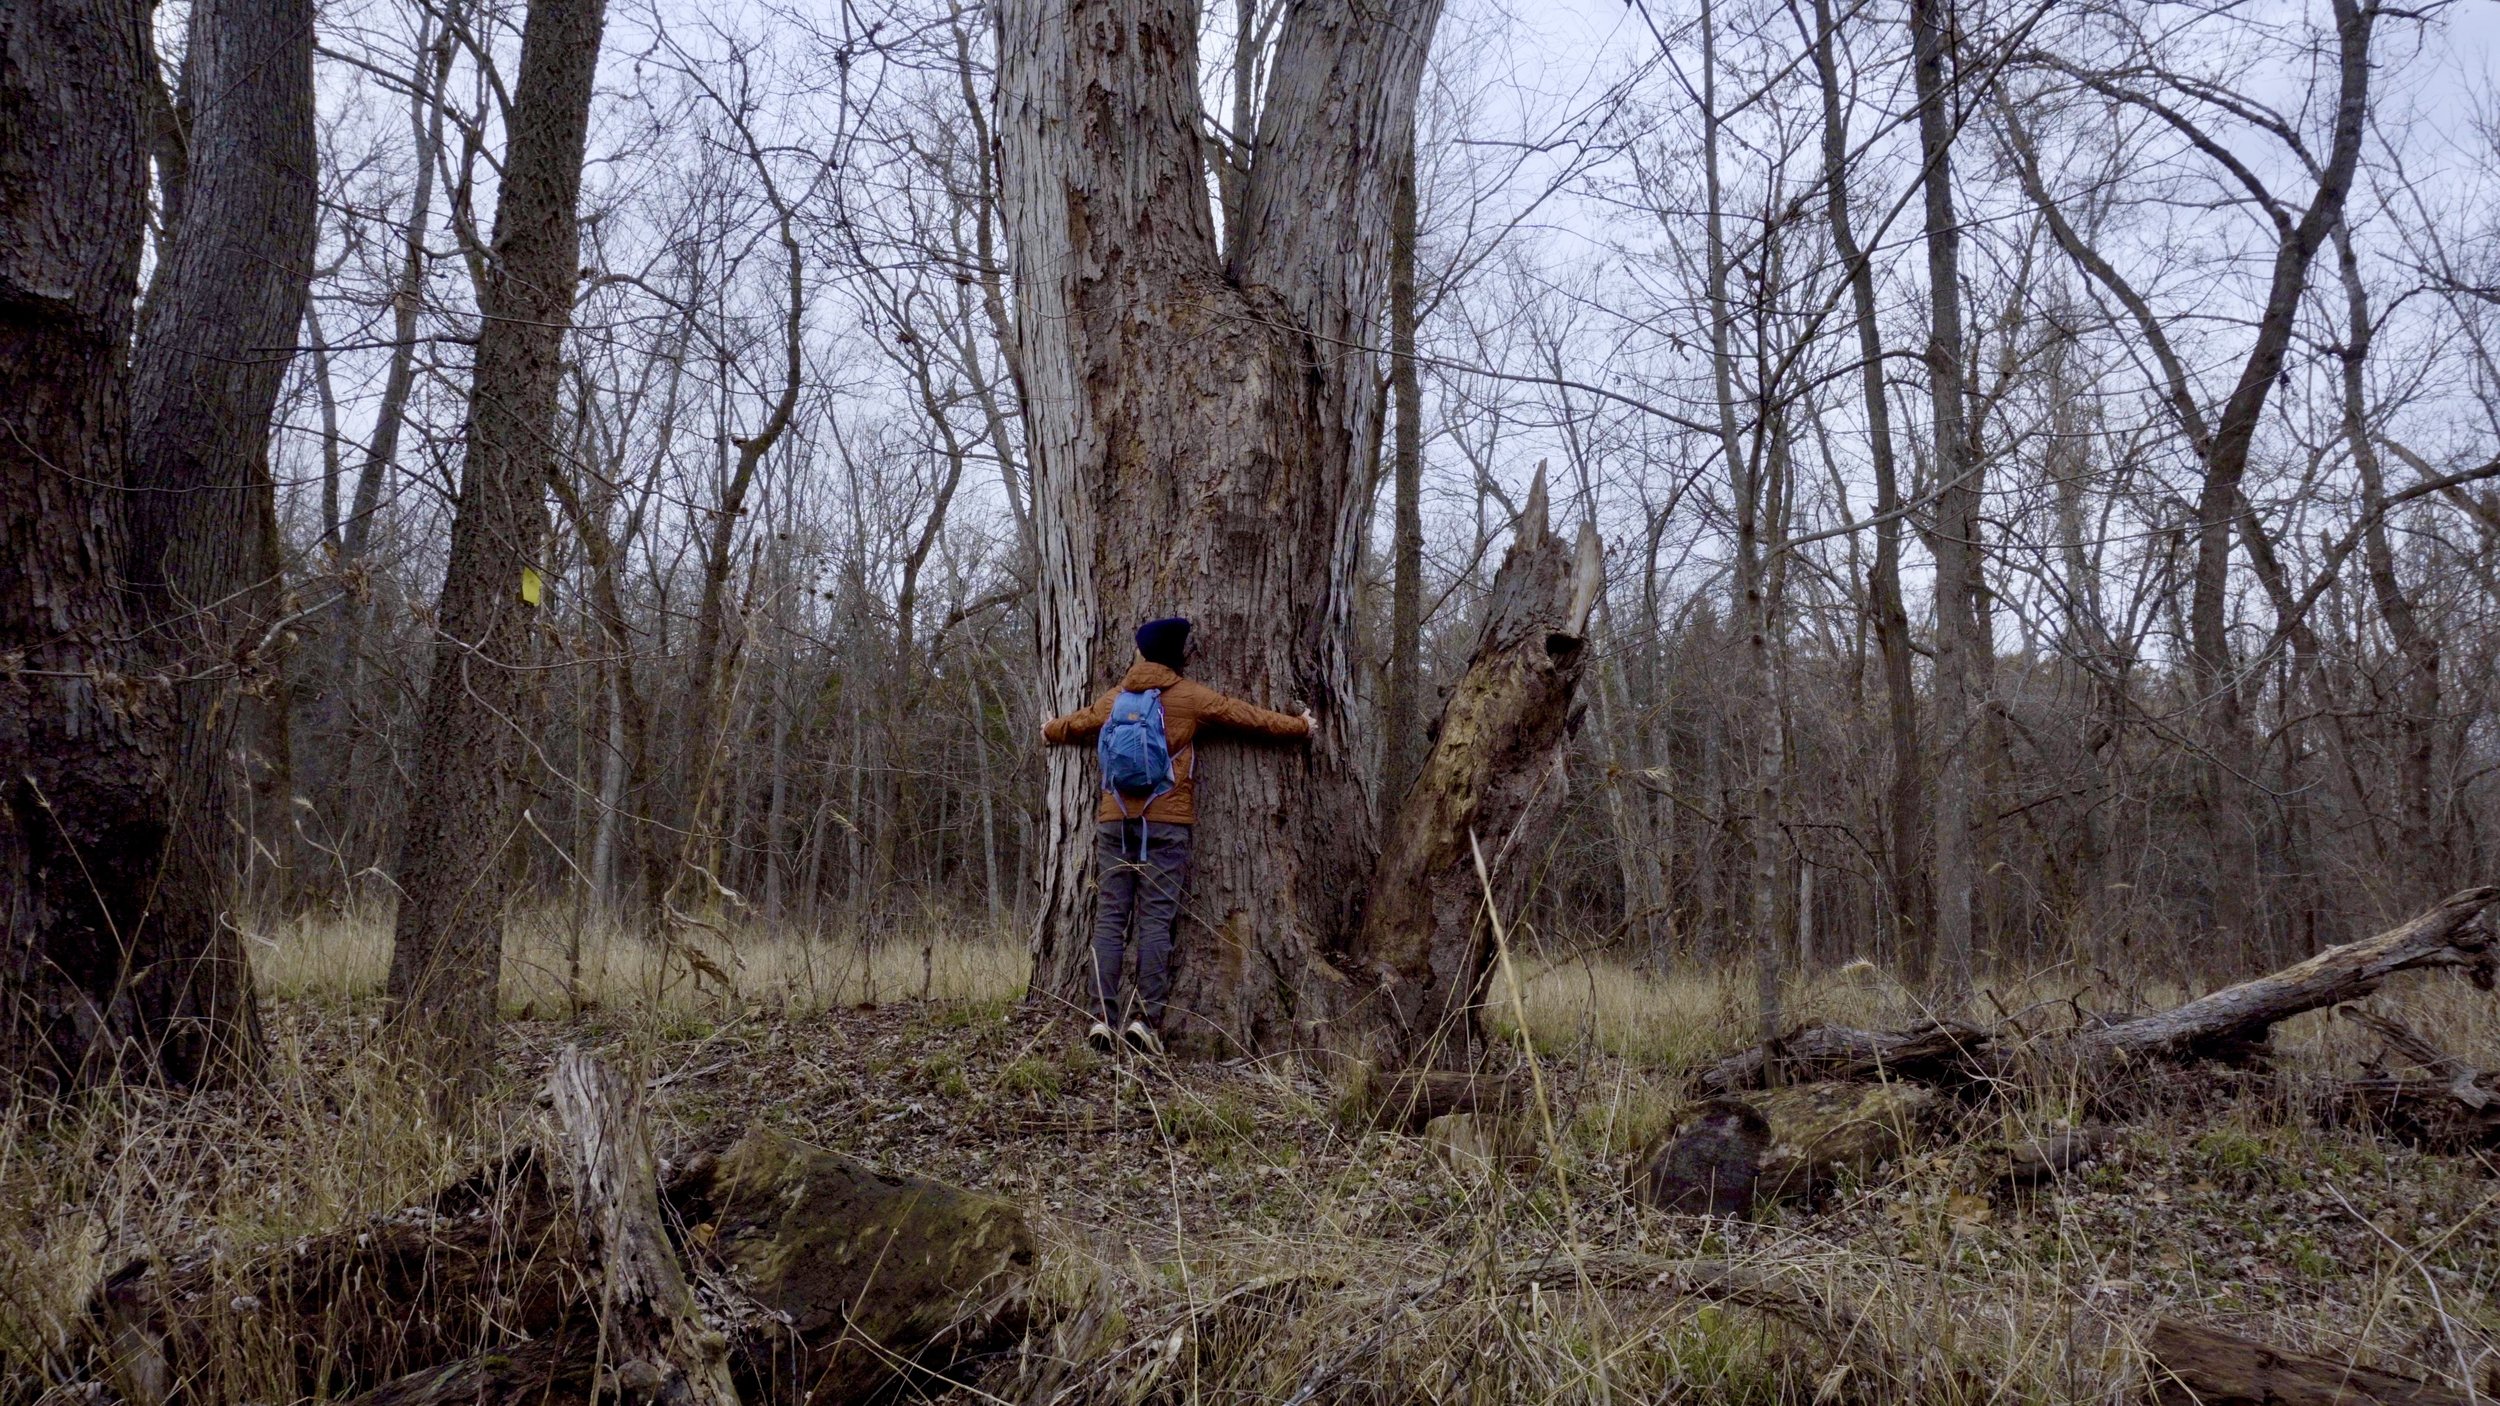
(214, 343)
(1200, 424)
(1401, 721)
(86, 736)
(446, 953)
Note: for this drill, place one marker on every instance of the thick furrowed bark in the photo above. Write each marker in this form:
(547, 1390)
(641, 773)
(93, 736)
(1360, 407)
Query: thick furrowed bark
(213, 345)
(86, 736)
(1492, 780)
(446, 951)
(1198, 435)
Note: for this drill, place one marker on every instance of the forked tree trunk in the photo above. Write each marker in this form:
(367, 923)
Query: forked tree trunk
(1199, 428)
(214, 342)
(454, 871)
(85, 737)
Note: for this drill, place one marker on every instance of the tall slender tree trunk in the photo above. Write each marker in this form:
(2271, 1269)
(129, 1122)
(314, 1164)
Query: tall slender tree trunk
(214, 342)
(330, 751)
(2424, 866)
(1962, 649)
(1906, 830)
(1200, 424)
(446, 953)
(1401, 722)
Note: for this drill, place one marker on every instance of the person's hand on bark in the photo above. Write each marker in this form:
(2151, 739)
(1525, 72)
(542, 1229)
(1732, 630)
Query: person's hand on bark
(1302, 710)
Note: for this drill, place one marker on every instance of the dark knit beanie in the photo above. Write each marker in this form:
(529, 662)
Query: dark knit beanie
(1163, 641)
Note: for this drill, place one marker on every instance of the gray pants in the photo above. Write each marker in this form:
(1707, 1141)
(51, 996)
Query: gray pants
(1148, 890)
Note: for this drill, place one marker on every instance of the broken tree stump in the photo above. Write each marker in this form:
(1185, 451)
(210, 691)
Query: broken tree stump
(1417, 968)
(650, 1324)
(2193, 1365)
(1711, 1162)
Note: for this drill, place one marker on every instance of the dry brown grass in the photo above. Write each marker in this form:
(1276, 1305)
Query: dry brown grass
(1217, 1235)
(555, 959)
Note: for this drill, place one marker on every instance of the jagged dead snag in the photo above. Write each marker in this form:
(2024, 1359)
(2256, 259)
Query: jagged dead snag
(1418, 963)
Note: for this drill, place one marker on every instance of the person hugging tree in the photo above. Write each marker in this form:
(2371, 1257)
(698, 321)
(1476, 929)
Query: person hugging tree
(1145, 733)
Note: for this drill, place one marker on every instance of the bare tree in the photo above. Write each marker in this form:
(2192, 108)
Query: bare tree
(446, 951)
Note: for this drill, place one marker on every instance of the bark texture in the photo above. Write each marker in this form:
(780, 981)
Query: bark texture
(2193, 1365)
(86, 735)
(1491, 783)
(649, 1314)
(214, 342)
(446, 954)
(1200, 426)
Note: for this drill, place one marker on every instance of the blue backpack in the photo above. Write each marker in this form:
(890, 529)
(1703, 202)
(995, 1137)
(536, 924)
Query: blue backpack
(1135, 755)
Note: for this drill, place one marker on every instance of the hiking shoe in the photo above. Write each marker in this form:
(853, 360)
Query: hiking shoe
(1141, 1039)
(1099, 1038)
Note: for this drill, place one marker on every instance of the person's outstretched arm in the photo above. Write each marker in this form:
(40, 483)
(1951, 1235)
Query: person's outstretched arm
(1257, 721)
(1079, 727)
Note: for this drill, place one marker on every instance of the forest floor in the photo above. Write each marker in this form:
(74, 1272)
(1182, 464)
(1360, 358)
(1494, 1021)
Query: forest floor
(1220, 1231)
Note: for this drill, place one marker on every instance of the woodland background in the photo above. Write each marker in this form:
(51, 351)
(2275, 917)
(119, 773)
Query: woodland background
(791, 459)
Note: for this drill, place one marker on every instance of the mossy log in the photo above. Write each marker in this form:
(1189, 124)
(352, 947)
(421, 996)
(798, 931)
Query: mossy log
(826, 1278)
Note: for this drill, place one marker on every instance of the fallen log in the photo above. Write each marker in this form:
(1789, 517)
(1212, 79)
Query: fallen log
(2231, 1024)
(1940, 1052)
(827, 1280)
(1409, 1099)
(2452, 1104)
(1725, 1156)
(2449, 935)
(2194, 1365)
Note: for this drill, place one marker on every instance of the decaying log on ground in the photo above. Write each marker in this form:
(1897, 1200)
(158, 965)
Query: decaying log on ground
(2231, 1024)
(2451, 1104)
(552, 1371)
(1725, 1156)
(2194, 1365)
(1938, 1052)
(845, 1274)
(651, 1325)
(1416, 970)
(1410, 1098)
(491, 1259)
(827, 1279)
(2053, 1155)
(2450, 935)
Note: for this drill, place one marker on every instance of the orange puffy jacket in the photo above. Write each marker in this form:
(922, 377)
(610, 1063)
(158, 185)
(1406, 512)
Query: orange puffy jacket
(1187, 707)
